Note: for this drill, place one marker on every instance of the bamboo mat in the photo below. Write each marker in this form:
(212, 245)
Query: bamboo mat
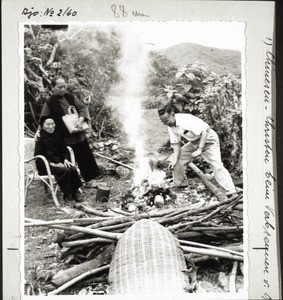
(147, 259)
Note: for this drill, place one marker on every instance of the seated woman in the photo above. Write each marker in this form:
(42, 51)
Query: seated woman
(52, 146)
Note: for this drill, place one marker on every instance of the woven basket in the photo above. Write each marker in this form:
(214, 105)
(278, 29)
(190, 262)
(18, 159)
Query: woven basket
(147, 259)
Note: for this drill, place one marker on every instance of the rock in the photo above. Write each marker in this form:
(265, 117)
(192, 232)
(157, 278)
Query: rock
(132, 208)
(114, 147)
(158, 201)
(100, 145)
(108, 143)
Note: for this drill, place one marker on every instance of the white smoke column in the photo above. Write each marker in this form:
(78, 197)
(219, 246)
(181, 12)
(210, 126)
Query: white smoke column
(132, 68)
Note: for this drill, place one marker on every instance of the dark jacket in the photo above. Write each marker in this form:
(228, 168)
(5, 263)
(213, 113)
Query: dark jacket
(53, 108)
(52, 147)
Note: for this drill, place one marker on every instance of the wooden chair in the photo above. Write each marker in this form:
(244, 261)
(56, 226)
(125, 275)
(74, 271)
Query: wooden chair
(31, 172)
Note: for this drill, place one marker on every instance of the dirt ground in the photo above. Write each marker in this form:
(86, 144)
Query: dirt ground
(41, 254)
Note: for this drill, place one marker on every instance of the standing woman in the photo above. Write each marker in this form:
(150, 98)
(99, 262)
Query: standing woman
(57, 106)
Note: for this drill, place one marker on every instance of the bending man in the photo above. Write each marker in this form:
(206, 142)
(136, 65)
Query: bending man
(202, 141)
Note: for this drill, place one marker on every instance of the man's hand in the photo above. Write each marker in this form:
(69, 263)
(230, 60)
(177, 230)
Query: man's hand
(197, 153)
(172, 163)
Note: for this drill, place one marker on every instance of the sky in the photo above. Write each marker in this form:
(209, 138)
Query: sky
(157, 34)
(224, 35)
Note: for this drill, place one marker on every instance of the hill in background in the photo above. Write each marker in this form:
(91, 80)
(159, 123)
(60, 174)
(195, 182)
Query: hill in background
(221, 61)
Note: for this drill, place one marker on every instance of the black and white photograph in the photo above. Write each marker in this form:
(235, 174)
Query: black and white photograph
(133, 158)
(139, 155)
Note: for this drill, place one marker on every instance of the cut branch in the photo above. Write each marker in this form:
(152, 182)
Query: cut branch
(216, 191)
(115, 161)
(232, 280)
(86, 242)
(64, 276)
(211, 252)
(90, 210)
(77, 279)
(182, 242)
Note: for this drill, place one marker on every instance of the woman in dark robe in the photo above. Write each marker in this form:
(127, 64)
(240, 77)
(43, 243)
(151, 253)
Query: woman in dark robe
(57, 106)
(52, 147)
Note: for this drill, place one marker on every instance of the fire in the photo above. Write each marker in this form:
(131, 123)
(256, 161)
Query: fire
(133, 68)
(151, 191)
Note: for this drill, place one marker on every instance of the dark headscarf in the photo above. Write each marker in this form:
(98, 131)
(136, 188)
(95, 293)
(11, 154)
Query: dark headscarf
(43, 119)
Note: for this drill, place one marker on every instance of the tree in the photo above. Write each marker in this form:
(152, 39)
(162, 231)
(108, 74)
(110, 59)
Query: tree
(85, 57)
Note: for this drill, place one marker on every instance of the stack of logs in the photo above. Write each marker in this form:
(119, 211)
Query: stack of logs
(90, 242)
(205, 231)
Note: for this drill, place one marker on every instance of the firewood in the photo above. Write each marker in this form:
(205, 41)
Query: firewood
(85, 242)
(206, 236)
(95, 232)
(212, 252)
(188, 235)
(77, 279)
(199, 258)
(59, 237)
(95, 251)
(118, 226)
(118, 211)
(218, 228)
(214, 190)
(188, 212)
(64, 252)
(91, 210)
(95, 280)
(65, 276)
(182, 242)
(115, 161)
(232, 280)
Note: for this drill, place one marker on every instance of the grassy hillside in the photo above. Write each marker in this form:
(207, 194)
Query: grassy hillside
(220, 61)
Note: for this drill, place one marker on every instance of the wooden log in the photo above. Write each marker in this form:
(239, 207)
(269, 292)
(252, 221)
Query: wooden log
(197, 258)
(188, 235)
(162, 215)
(182, 242)
(212, 252)
(118, 211)
(78, 278)
(86, 242)
(95, 232)
(114, 161)
(68, 251)
(216, 191)
(232, 279)
(189, 225)
(59, 237)
(201, 235)
(91, 210)
(192, 212)
(118, 226)
(95, 251)
(67, 275)
(85, 230)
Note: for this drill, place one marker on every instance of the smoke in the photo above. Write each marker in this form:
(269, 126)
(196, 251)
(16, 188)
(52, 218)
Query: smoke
(128, 94)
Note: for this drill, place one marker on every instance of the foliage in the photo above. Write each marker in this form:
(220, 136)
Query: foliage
(86, 59)
(162, 72)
